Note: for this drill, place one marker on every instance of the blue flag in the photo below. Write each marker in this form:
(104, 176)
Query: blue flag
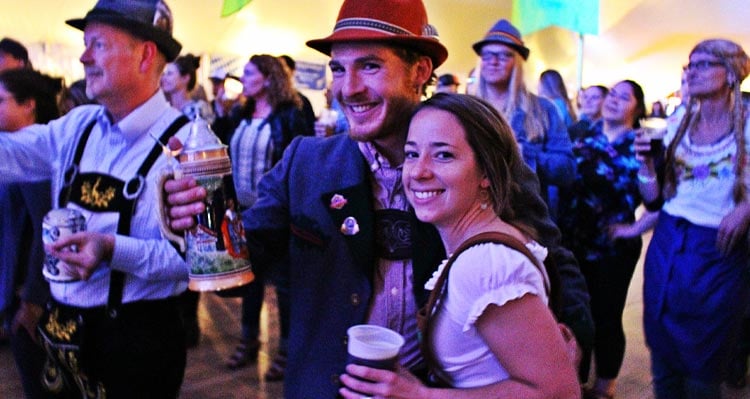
(580, 16)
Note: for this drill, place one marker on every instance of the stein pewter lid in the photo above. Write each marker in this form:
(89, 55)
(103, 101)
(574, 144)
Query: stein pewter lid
(204, 154)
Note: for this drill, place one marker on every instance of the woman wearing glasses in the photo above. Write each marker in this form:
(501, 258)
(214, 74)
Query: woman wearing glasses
(539, 131)
(697, 283)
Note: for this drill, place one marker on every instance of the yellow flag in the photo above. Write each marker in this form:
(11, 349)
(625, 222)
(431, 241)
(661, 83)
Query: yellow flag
(232, 6)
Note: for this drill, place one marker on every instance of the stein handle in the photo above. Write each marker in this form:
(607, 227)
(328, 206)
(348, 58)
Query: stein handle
(162, 210)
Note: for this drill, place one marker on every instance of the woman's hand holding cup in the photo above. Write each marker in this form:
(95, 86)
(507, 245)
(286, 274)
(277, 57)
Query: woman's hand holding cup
(649, 139)
(372, 349)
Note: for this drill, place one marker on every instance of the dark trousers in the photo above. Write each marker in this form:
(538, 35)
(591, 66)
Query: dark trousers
(30, 358)
(739, 356)
(138, 354)
(608, 280)
(252, 303)
(188, 304)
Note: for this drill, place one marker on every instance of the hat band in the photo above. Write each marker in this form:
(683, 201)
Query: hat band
(370, 24)
(514, 39)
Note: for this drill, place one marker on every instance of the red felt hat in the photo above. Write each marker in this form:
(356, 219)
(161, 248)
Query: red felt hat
(401, 22)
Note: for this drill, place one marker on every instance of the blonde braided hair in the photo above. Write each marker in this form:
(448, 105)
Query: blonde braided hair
(737, 64)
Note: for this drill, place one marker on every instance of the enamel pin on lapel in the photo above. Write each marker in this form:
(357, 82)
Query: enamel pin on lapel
(338, 201)
(350, 226)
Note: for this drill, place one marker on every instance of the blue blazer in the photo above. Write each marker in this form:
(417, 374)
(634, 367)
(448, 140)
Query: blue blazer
(330, 273)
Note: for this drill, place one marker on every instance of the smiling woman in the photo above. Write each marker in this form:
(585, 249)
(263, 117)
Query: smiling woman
(605, 194)
(443, 180)
(492, 330)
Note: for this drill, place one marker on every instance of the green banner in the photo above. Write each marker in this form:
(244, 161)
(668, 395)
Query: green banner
(580, 16)
(232, 6)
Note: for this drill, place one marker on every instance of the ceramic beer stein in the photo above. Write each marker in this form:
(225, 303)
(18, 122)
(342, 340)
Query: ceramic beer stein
(216, 249)
(58, 223)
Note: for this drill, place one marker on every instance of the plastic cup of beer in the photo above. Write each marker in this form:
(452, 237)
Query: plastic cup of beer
(374, 346)
(655, 129)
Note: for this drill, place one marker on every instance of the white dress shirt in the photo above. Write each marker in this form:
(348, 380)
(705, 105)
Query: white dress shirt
(153, 267)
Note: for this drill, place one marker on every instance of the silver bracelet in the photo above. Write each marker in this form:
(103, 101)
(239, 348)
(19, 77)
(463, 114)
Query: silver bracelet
(646, 179)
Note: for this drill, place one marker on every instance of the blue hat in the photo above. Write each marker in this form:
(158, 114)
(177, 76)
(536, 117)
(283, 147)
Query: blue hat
(504, 33)
(148, 19)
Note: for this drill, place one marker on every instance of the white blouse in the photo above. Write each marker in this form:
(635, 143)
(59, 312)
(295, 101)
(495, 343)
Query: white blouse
(482, 275)
(705, 177)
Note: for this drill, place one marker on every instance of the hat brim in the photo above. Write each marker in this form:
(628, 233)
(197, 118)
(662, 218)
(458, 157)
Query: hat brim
(166, 43)
(523, 51)
(450, 83)
(429, 47)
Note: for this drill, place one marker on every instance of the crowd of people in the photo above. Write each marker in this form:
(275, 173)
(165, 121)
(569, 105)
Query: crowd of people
(506, 220)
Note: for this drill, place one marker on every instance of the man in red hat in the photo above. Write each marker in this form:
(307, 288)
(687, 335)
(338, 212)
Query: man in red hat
(113, 328)
(337, 208)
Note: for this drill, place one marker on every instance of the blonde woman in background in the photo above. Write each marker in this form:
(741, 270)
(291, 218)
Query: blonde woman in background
(696, 282)
(539, 131)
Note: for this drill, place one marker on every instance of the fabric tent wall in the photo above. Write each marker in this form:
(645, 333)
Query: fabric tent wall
(645, 40)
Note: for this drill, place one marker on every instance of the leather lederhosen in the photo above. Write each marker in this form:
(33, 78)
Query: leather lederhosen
(62, 327)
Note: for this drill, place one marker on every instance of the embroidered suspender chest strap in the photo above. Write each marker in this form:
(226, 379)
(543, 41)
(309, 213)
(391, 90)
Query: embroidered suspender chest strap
(98, 192)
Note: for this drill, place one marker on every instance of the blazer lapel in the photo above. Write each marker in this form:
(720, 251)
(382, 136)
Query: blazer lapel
(427, 247)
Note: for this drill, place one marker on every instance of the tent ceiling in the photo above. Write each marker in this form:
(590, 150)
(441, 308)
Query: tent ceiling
(634, 34)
